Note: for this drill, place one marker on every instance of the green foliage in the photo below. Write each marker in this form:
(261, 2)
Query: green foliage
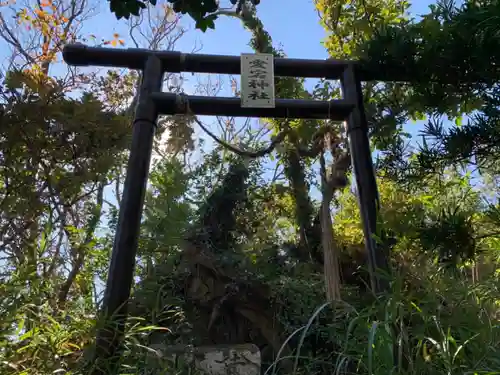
(409, 331)
(55, 343)
(125, 8)
(448, 57)
(57, 154)
(203, 12)
(166, 214)
(445, 219)
(349, 26)
(216, 222)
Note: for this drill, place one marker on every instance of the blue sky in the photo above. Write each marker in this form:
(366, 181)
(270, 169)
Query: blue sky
(295, 26)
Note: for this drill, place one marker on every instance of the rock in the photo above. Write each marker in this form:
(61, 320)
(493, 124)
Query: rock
(243, 359)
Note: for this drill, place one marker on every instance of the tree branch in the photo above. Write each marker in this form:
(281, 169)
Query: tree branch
(251, 154)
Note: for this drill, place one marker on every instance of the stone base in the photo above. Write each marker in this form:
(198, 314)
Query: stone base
(243, 359)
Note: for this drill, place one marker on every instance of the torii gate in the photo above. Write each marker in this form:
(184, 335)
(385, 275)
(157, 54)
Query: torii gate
(152, 102)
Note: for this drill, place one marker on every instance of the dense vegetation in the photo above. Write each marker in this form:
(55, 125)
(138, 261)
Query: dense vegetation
(231, 249)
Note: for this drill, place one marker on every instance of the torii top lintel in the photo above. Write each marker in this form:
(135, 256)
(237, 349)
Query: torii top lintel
(176, 62)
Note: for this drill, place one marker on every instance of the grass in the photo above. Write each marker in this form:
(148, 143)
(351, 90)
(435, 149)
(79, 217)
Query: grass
(447, 327)
(429, 324)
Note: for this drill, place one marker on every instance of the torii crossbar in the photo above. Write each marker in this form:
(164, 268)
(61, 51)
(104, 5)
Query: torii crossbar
(153, 102)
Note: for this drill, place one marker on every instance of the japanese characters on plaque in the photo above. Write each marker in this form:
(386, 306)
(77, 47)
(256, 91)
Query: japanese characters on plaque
(257, 80)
